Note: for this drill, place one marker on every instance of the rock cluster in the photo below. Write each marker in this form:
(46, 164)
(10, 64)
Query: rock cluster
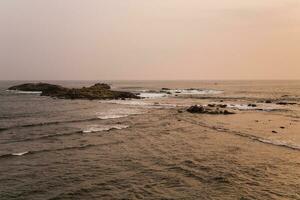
(97, 91)
(208, 110)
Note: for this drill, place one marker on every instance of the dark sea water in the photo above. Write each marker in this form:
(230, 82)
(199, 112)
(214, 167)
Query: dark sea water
(80, 149)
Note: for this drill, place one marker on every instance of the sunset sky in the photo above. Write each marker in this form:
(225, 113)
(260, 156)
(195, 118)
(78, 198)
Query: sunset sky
(149, 39)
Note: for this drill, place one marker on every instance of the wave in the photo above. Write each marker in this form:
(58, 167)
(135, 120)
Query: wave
(172, 92)
(248, 136)
(14, 154)
(118, 113)
(280, 143)
(261, 107)
(150, 95)
(25, 153)
(128, 102)
(144, 104)
(195, 91)
(24, 92)
(97, 128)
(112, 116)
(89, 129)
(48, 123)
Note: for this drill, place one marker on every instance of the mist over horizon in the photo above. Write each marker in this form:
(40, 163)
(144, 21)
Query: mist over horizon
(149, 40)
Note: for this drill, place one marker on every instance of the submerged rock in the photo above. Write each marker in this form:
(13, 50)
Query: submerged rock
(285, 103)
(196, 109)
(206, 110)
(97, 91)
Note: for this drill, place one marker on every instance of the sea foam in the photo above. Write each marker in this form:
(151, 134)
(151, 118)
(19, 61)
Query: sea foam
(24, 92)
(100, 128)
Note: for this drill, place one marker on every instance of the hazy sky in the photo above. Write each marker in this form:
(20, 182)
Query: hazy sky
(149, 39)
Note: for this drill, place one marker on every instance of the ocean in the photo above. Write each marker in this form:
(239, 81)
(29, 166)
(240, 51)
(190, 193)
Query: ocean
(147, 149)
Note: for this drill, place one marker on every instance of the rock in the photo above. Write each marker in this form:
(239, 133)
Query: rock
(252, 105)
(274, 131)
(282, 127)
(165, 89)
(217, 105)
(34, 87)
(196, 109)
(97, 91)
(226, 112)
(211, 105)
(285, 103)
(268, 101)
(205, 110)
(222, 105)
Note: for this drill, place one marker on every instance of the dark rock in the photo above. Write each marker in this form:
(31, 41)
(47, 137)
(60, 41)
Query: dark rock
(165, 89)
(285, 103)
(226, 112)
(205, 110)
(36, 87)
(97, 91)
(274, 131)
(268, 101)
(282, 127)
(252, 105)
(196, 109)
(222, 105)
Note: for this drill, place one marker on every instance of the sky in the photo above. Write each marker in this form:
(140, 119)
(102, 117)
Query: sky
(149, 39)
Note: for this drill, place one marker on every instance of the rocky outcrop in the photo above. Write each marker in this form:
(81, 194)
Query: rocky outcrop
(97, 91)
(208, 110)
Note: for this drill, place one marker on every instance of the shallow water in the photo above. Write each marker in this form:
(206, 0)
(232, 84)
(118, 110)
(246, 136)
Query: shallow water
(146, 149)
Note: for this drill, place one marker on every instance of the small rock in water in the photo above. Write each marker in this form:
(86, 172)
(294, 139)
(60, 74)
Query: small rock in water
(196, 109)
(205, 110)
(226, 112)
(285, 103)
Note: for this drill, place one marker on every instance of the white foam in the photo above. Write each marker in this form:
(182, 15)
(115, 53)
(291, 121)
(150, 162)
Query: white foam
(265, 107)
(142, 103)
(99, 128)
(112, 116)
(24, 92)
(195, 91)
(241, 106)
(281, 143)
(118, 113)
(20, 153)
(151, 95)
(127, 102)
